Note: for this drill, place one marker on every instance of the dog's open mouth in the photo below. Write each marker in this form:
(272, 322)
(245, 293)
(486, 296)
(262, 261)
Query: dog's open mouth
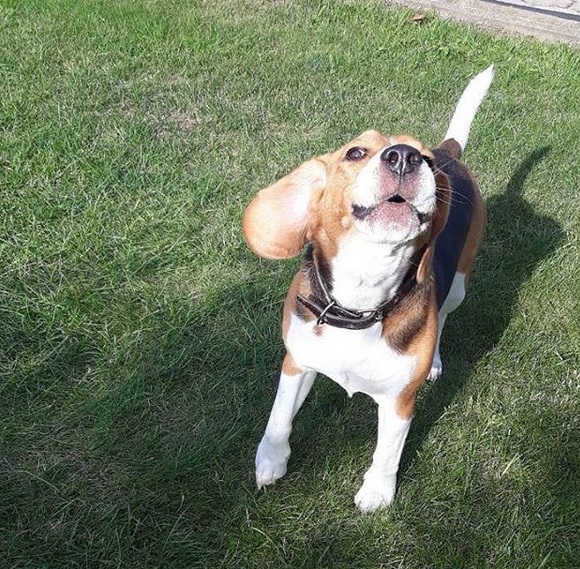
(361, 212)
(395, 209)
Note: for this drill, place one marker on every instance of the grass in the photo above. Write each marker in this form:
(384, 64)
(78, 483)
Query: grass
(139, 337)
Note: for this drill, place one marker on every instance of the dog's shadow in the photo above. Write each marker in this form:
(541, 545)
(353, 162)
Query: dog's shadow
(516, 241)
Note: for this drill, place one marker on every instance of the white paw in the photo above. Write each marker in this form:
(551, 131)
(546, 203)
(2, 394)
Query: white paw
(436, 368)
(271, 461)
(376, 492)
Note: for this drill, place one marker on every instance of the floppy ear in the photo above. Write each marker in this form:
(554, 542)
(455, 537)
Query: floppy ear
(276, 221)
(443, 201)
(424, 268)
(443, 198)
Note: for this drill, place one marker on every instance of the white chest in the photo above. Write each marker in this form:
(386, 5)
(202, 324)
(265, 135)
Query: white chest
(358, 360)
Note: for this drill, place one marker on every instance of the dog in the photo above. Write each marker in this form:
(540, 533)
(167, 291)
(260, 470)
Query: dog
(391, 230)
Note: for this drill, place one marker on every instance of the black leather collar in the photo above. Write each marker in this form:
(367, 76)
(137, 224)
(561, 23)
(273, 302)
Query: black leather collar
(328, 311)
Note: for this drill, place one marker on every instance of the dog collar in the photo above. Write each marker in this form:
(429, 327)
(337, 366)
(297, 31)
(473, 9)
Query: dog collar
(328, 310)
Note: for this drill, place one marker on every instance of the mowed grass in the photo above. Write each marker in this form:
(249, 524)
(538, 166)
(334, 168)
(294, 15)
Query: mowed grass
(139, 338)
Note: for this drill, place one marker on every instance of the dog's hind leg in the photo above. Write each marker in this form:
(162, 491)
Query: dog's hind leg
(454, 299)
(274, 448)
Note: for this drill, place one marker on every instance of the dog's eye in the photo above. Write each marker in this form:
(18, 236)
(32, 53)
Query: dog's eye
(356, 153)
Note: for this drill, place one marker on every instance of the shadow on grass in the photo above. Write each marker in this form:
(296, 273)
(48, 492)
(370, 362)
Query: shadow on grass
(517, 239)
(165, 469)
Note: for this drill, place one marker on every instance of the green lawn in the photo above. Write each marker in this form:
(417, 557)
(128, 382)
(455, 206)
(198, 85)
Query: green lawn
(139, 338)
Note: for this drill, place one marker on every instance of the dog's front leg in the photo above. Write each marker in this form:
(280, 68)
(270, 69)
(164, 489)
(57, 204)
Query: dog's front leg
(274, 449)
(378, 489)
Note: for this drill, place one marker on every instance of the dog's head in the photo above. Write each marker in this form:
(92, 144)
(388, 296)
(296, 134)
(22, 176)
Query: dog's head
(381, 189)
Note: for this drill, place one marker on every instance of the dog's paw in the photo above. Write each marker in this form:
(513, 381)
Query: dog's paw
(376, 492)
(436, 368)
(271, 461)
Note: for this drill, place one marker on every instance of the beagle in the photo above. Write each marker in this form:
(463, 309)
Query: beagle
(392, 229)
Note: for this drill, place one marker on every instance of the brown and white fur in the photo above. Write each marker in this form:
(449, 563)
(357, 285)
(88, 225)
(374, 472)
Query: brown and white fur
(375, 216)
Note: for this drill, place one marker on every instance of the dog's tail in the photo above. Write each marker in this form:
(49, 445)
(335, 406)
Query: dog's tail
(466, 108)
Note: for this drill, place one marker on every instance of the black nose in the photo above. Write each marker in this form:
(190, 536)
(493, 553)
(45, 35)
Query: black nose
(401, 158)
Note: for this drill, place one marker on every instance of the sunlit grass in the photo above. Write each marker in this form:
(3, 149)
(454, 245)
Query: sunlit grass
(140, 341)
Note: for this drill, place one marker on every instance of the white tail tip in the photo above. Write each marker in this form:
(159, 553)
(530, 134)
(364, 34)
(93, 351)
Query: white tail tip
(467, 106)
